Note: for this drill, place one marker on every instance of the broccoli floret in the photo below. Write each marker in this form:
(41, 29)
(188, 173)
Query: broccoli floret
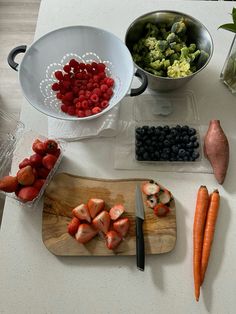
(162, 45)
(173, 57)
(192, 48)
(171, 38)
(155, 55)
(190, 57)
(180, 68)
(152, 30)
(177, 46)
(169, 52)
(179, 28)
(150, 43)
(137, 58)
(165, 64)
(160, 65)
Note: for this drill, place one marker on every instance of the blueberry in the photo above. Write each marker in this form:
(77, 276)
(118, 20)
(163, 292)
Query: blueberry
(151, 149)
(193, 138)
(138, 143)
(177, 139)
(178, 127)
(164, 156)
(182, 152)
(186, 139)
(157, 154)
(161, 138)
(160, 128)
(195, 155)
(196, 144)
(185, 128)
(174, 149)
(166, 143)
(148, 142)
(191, 131)
(146, 156)
(184, 133)
(166, 129)
(189, 145)
(166, 150)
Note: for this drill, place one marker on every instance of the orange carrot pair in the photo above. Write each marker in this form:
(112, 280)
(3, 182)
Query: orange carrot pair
(203, 232)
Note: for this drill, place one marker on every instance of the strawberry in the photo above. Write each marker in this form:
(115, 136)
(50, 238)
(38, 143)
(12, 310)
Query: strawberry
(26, 176)
(161, 210)
(95, 205)
(121, 226)
(28, 193)
(25, 162)
(39, 183)
(51, 146)
(43, 172)
(8, 184)
(113, 239)
(39, 147)
(102, 221)
(85, 233)
(164, 197)
(36, 160)
(73, 226)
(150, 188)
(82, 212)
(116, 211)
(49, 161)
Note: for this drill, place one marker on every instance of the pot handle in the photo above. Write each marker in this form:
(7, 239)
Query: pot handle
(13, 53)
(142, 88)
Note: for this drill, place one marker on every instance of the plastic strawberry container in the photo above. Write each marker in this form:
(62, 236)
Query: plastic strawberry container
(16, 145)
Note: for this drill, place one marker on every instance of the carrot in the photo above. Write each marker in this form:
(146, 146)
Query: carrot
(209, 231)
(198, 233)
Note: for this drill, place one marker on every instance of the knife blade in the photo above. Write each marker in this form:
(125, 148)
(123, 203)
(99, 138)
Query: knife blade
(140, 249)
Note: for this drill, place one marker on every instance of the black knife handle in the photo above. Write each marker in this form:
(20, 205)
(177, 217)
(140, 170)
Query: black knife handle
(140, 250)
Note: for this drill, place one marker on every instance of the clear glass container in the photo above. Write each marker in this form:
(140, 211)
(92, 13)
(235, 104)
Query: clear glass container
(228, 73)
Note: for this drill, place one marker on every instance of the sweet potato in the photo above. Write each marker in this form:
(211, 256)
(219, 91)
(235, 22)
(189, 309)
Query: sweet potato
(216, 150)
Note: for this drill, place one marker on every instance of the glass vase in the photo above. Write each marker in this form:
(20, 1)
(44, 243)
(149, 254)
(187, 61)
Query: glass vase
(228, 73)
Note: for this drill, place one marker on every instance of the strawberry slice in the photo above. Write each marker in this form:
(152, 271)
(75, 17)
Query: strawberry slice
(164, 197)
(73, 226)
(102, 221)
(95, 205)
(151, 201)
(150, 188)
(81, 212)
(161, 210)
(121, 226)
(85, 233)
(116, 211)
(113, 239)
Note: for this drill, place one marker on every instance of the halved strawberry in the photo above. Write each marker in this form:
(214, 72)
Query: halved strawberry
(150, 188)
(151, 201)
(102, 221)
(116, 211)
(95, 205)
(164, 197)
(113, 239)
(161, 210)
(121, 226)
(81, 212)
(73, 226)
(85, 233)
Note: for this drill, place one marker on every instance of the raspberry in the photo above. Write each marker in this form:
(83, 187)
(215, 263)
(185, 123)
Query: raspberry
(55, 87)
(90, 86)
(109, 81)
(69, 96)
(101, 75)
(67, 68)
(96, 78)
(66, 77)
(101, 67)
(79, 76)
(109, 92)
(96, 110)
(58, 75)
(78, 105)
(105, 96)
(64, 108)
(75, 90)
(88, 112)
(94, 98)
(94, 65)
(84, 104)
(81, 98)
(66, 84)
(95, 85)
(104, 87)
(71, 110)
(59, 96)
(81, 92)
(82, 66)
(104, 104)
(80, 113)
(88, 93)
(73, 63)
(88, 67)
(97, 91)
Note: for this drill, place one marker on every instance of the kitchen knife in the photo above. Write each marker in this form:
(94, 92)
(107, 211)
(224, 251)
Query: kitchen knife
(140, 249)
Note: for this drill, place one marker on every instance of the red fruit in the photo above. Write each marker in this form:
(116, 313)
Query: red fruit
(121, 226)
(64, 108)
(59, 96)
(101, 67)
(96, 110)
(57, 153)
(24, 163)
(104, 104)
(39, 147)
(28, 193)
(71, 110)
(73, 63)
(82, 212)
(113, 239)
(161, 210)
(150, 188)
(85, 233)
(67, 68)
(95, 205)
(164, 197)
(51, 146)
(88, 112)
(68, 96)
(73, 226)
(152, 200)
(94, 98)
(26, 176)
(55, 87)
(80, 114)
(43, 172)
(110, 82)
(36, 160)
(8, 184)
(104, 87)
(58, 75)
(38, 184)
(102, 221)
(49, 161)
(116, 211)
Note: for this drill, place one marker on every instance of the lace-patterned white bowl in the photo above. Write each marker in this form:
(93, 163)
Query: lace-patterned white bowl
(84, 43)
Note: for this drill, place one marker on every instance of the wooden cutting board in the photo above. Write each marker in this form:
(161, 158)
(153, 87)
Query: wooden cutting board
(66, 191)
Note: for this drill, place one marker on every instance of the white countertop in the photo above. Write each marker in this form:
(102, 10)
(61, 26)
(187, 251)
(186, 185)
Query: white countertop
(32, 280)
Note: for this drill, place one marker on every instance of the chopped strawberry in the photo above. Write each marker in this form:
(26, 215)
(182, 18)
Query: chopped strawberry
(95, 205)
(164, 197)
(113, 239)
(85, 233)
(161, 210)
(73, 226)
(81, 212)
(121, 226)
(116, 211)
(102, 221)
(151, 201)
(150, 188)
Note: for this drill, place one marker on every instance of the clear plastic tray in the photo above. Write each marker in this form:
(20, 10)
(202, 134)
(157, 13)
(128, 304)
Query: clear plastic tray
(159, 110)
(16, 145)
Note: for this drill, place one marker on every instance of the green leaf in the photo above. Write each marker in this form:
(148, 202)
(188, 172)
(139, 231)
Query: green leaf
(234, 15)
(229, 27)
